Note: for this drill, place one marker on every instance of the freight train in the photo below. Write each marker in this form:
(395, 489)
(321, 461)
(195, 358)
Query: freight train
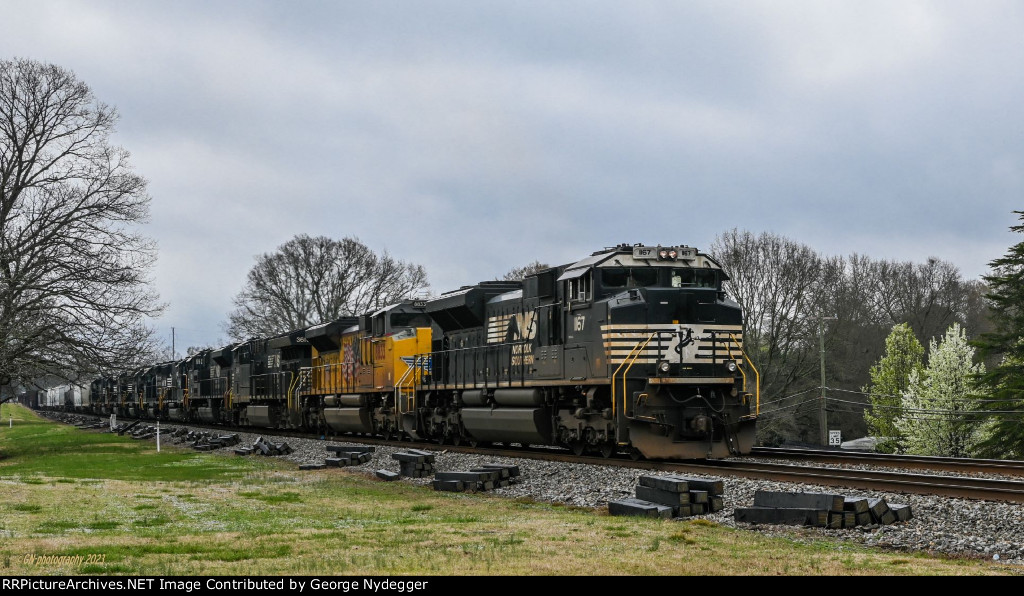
(634, 349)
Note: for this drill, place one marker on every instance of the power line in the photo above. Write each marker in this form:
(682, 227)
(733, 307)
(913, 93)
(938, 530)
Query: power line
(928, 410)
(966, 399)
(796, 405)
(764, 403)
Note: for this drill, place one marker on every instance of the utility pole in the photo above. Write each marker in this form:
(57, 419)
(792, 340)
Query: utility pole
(822, 413)
(174, 355)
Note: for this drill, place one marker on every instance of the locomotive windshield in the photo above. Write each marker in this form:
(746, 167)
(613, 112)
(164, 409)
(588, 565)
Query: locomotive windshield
(409, 319)
(634, 277)
(652, 277)
(694, 278)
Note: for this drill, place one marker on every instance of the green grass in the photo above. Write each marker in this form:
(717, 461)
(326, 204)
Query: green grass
(272, 498)
(36, 448)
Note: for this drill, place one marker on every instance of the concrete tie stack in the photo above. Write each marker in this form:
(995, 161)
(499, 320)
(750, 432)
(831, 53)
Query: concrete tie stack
(486, 477)
(824, 510)
(672, 496)
(414, 463)
(262, 446)
(349, 455)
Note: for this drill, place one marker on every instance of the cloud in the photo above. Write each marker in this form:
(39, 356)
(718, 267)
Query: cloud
(475, 138)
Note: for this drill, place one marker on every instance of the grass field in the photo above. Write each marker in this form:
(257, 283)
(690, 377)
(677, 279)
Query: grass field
(85, 502)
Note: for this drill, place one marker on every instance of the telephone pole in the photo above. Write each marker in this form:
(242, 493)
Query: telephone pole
(822, 412)
(174, 355)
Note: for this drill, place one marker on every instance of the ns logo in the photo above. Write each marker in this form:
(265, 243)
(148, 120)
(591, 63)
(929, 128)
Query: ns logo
(521, 326)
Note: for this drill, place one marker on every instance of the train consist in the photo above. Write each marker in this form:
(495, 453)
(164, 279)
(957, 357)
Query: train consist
(634, 349)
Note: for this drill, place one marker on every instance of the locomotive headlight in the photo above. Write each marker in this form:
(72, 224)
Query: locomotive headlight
(663, 367)
(672, 254)
(663, 254)
(731, 365)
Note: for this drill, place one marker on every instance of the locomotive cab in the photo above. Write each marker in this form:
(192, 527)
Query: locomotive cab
(672, 350)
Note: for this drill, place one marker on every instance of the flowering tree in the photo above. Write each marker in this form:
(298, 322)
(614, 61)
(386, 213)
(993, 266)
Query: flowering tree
(939, 415)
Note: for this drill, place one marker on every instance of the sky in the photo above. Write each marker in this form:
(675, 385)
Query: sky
(474, 137)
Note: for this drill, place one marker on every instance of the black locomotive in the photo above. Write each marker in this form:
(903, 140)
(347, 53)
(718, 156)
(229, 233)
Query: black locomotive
(634, 349)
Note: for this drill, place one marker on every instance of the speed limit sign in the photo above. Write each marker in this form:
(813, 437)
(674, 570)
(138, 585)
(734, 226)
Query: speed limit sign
(835, 437)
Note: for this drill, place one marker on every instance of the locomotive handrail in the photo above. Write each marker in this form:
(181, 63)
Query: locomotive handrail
(401, 382)
(631, 358)
(632, 361)
(449, 367)
(324, 377)
(757, 375)
(291, 391)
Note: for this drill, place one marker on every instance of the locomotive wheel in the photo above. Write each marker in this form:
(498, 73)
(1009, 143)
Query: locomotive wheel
(607, 450)
(634, 454)
(578, 447)
(456, 439)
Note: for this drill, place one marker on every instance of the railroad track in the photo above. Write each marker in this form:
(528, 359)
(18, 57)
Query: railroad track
(850, 478)
(898, 482)
(915, 462)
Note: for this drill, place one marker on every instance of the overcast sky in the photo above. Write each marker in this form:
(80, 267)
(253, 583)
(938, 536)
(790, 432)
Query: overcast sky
(473, 137)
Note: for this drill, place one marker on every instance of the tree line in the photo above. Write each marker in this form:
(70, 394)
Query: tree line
(868, 320)
(795, 299)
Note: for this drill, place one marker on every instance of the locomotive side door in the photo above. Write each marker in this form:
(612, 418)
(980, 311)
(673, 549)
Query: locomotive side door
(578, 323)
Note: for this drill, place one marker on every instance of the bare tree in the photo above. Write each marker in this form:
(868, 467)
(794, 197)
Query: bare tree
(774, 281)
(520, 273)
(777, 282)
(309, 280)
(928, 296)
(74, 291)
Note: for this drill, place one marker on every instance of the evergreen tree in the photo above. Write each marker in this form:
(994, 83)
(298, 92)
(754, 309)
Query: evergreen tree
(890, 379)
(937, 406)
(1005, 382)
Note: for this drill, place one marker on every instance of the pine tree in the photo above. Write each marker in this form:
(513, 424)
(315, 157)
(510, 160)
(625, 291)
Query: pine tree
(1005, 382)
(890, 378)
(936, 406)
